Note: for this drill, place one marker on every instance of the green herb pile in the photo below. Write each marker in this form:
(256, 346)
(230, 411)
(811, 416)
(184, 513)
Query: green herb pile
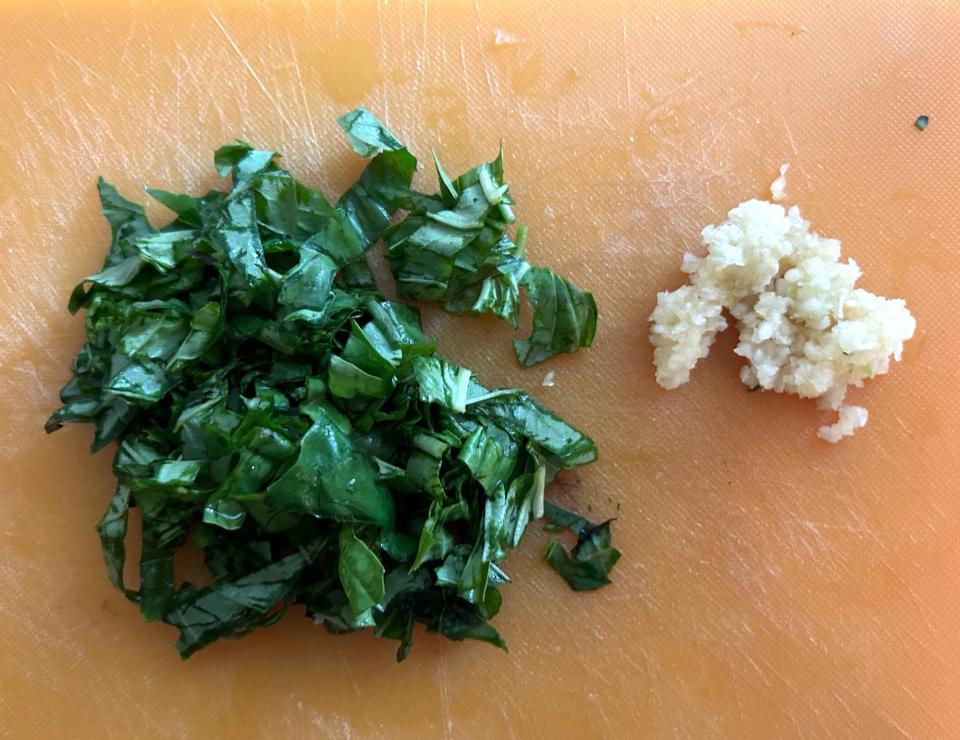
(274, 410)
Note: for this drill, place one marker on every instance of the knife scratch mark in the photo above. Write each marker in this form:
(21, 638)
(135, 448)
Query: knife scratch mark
(444, 699)
(491, 80)
(303, 91)
(463, 65)
(125, 46)
(929, 715)
(70, 118)
(253, 73)
(426, 7)
(790, 139)
(86, 71)
(626, 61)
(597, 113)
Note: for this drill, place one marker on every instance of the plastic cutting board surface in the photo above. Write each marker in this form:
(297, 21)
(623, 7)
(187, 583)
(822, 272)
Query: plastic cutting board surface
(771, 585)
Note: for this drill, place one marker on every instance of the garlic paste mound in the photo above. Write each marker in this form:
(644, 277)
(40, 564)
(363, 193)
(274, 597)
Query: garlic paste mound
(804, 326)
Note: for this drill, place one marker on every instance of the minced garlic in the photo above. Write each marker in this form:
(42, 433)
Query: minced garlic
(804, 327)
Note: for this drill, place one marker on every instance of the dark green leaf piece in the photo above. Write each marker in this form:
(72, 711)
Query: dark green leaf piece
(274, 412)
(455, 249)
(587, 566)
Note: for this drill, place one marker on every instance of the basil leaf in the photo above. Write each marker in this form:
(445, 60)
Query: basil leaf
(288, 208)
(587, 566)
(243, 163)
(564, 318)
(460, 621)
(189, 209)
(442, 383)
(367, 135)
(233, 608)
(371, 202)
(331, 478)
(273, 411)
(361, 572)
(127, 219)
(561, 444)
(456, 250)
(163, 531)
(113, 534)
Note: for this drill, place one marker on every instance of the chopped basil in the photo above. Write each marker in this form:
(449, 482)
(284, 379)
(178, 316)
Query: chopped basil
(273, 410)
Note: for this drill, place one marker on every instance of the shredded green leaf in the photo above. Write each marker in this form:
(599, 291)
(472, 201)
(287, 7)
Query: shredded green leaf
(454, 248)
(273, 410)
(587, 565)
(564, 318)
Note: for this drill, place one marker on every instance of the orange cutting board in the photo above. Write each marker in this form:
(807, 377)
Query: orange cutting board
(770, 585)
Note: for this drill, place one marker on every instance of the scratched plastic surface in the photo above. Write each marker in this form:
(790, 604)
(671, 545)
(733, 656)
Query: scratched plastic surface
(771, 585)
